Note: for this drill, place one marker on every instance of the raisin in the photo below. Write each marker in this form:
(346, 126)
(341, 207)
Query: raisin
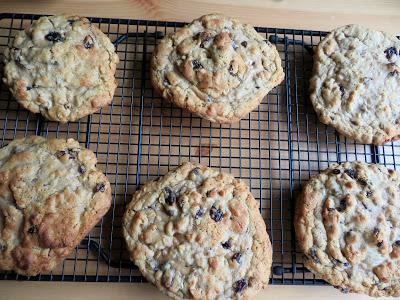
(100, 187)
(362, 181)
(244, 44)
(351, 173)
(240, 285)
(82, 169)
(61, 153)
(380, 244)
(390, 52)
(88, 42)
(342, 205)
(368, 193)
(336, 171)
(200, 213)
(170, 196)
(365, 206)
(230, 70)
(376, 231)
(336, 262)
(72, 153)
(196, 171)
(16, 52)
(342, 90)
(346, 264)
(313, 254)
(397, 243)
(28, 88)
(54, 37)
(204, 37)
(32, 229)
(237, 256)
(196, 65)
(154, 265)
(227, 244)
(216, 214)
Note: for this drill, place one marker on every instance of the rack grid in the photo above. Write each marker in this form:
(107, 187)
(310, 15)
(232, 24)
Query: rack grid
(139, 137)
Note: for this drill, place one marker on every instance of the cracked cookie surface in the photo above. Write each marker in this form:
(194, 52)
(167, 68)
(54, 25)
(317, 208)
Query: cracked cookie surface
(356, 84)
(216, 67)
(51, 196)
(62, 67)
(347, 224)
(197, 233)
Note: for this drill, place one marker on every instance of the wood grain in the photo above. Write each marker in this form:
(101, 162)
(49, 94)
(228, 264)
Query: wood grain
(143, 291)
(302, 14)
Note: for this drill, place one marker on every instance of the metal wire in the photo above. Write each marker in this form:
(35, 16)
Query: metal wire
(139, 137)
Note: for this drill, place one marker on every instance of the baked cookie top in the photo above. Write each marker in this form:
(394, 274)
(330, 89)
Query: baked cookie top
(61, 66)
(197, 233)
(356, 84)
(348, 225)
(216, 67)
(51, 196)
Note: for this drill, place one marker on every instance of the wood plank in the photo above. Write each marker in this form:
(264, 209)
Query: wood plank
(128, 291)
(303, 14)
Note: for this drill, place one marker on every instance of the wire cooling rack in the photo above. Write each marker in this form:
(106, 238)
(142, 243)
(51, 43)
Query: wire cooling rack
(274, 149)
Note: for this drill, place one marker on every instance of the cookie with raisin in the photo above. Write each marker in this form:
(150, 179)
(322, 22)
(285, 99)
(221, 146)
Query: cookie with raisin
(216, 68)
(51, 196)
(347, 224)
(198, 233)
(62, 67)
(356, 84)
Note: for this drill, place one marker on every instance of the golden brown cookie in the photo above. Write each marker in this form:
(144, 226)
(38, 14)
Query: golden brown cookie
(356, 84)
(198, 233)
(216, 67)
(51, 196)
(348, 226)
(62, 67)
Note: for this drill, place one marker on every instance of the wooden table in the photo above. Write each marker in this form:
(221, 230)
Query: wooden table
(302, 14)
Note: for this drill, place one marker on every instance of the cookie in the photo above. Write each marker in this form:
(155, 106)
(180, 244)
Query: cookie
(62, 67)
(347, 224)
(356, 84)
(216, 68)
(198, 233)
(51, 196)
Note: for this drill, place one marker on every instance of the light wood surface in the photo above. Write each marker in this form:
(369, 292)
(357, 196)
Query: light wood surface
(10, 290)
(302, 14)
